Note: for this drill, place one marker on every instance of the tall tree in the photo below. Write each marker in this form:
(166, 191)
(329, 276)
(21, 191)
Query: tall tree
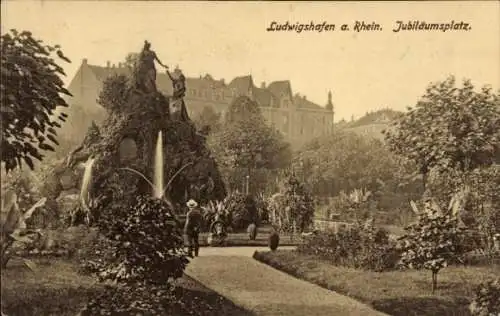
(114, 92)
(31, 90)
(450, 127)
(246, 142)
(208, 120)
(345, 161)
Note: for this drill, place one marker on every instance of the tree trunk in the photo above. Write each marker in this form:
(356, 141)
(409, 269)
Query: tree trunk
(434, 281)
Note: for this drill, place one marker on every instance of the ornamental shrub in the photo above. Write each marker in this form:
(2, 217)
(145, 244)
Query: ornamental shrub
(274, 240)
(299, 204)
(242, 210)
(486, 301)
(143, 243)
(360, 246)
(152, 300)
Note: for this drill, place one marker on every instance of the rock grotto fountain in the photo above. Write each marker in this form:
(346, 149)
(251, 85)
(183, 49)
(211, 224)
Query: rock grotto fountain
(148, 131)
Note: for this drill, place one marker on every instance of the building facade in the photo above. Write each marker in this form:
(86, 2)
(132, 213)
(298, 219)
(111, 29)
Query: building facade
(297, 118)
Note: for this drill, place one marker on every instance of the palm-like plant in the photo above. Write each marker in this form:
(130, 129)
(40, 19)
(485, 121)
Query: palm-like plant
(215, 214)
(213, 211)
(13, 225)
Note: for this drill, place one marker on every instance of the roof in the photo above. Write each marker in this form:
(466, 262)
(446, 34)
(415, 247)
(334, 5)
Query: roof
(301, 102)
(278, 88)
(264, 96)
(203, 83)
(242, 84)
(102, 73)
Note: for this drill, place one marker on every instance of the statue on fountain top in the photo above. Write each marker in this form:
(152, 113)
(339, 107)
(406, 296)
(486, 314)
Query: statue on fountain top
(178, 83)
(177, 107)
(145, 71)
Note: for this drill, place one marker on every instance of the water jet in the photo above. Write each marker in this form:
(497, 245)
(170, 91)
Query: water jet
(87, 178)
(158, 169)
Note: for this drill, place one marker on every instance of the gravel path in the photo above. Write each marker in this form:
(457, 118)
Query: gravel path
(260, 289)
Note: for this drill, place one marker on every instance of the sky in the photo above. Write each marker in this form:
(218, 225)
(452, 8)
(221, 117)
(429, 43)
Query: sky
(365, 71)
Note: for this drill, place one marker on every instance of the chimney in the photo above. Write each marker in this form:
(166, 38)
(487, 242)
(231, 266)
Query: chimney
(84, 61)
(304, 97)
(263, 85)
(108, 64)
(114, 66)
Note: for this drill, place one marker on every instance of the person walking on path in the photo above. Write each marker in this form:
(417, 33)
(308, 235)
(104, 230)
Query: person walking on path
(192, 228)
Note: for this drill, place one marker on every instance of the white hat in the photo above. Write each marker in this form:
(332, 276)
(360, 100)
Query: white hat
(191, 203)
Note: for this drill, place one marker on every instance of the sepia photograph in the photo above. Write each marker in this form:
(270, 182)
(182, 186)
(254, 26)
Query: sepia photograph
(253, 158)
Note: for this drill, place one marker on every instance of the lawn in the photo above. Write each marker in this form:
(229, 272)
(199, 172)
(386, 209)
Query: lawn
(57, 289)
(396, 293)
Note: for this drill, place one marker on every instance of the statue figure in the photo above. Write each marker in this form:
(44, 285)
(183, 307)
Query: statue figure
(145, 73)
(177, 106)
(178, 82)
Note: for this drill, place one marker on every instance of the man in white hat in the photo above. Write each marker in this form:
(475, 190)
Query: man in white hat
(192, 227)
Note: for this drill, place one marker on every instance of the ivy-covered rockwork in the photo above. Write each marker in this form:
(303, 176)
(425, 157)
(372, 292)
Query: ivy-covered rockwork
(127, 139)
